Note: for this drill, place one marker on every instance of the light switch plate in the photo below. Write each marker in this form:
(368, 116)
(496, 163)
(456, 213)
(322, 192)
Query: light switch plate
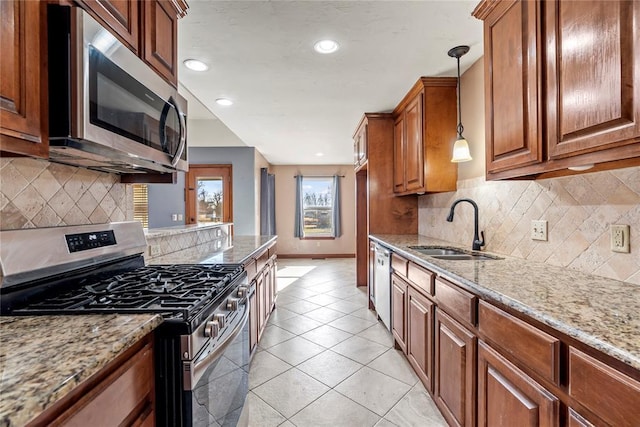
(620, 238)
(539, 230)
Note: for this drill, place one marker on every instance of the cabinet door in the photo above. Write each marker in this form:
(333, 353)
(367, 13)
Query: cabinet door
(399, 311)
(420, 336)
(360, 146)
(253, 319)
(509, 397)
(399, 156)
(512, 99)
(593, 75)
(122, 16)
(160, 38)
(23, 106)
(455, 376)
(262, 306)
(274, 282)
(414, 153)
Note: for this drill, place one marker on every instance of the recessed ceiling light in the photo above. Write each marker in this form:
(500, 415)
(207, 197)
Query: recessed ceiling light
(319, 154)
(326, 46)
(195, 65)
(224, 101)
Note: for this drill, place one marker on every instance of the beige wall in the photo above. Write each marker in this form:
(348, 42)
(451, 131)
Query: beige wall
(285, 202)
(472, 100)
(36, 193)
(578, 208)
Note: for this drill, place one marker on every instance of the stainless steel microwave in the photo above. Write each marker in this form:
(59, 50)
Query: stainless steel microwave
(108, 110)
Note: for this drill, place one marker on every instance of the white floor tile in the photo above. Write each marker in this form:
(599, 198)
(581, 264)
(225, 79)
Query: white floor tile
(344, 413)
(359, 349)
(330, 368)
(296, 350)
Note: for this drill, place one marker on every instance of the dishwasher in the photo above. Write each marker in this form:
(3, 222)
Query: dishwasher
(382, 284)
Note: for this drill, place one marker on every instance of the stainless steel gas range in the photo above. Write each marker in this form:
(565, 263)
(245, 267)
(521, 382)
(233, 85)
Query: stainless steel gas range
(201, 348)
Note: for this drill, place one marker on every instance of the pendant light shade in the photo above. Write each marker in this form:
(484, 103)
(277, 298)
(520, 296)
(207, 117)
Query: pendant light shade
(461, 147)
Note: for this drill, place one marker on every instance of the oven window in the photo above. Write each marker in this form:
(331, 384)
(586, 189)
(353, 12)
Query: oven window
(121, 104)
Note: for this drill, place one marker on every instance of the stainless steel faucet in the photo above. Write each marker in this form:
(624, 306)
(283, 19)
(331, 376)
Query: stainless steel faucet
(477, 242)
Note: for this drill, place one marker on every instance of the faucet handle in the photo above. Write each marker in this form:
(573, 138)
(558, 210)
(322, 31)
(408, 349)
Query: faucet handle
(481, 241)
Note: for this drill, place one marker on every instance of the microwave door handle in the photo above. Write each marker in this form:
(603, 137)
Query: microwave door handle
(183, 135)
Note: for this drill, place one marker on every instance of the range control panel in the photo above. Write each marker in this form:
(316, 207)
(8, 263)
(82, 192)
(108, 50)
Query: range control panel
(85, 241)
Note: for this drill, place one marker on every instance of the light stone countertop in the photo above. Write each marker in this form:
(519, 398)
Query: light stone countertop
(43, 358)
(240, 250)
(179, 229)
(599, 312)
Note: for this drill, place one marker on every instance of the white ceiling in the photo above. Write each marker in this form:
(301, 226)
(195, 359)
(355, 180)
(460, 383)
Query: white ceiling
(291, 102)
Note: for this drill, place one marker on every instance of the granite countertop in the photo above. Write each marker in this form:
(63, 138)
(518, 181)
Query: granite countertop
(240, 249)
(179, 229)
(42, 358)
(602, 313)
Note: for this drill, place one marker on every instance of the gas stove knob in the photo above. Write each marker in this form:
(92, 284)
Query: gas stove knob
(220, 319)
(242, 291)
(211, 329)
(232, 304)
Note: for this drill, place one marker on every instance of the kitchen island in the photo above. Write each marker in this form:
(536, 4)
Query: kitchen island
(486, 333)
(44, 358)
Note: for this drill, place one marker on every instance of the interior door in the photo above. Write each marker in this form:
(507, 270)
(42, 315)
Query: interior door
(208, 194)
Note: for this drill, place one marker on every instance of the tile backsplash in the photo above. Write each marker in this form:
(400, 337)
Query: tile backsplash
(579, 210)
(36, 193)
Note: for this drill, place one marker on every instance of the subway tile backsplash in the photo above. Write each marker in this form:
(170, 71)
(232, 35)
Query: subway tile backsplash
(37, 193)
(579, 210)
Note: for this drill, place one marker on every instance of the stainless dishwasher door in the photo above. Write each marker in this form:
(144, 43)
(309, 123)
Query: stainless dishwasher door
(382, 285)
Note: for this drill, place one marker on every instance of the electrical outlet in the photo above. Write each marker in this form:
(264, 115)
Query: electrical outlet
(620, 238)
(539, 230)
(174, 217)
(154, 250)
(180, 217)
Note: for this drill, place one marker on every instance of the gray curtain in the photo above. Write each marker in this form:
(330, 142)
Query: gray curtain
(299, 220)
(267, 203)
(337, 226)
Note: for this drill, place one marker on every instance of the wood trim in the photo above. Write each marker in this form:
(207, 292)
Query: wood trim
(419, 87)
(318, 238)
(149, 178)
(484, 8)
(226, 171)
(367, 116)
(315, 256)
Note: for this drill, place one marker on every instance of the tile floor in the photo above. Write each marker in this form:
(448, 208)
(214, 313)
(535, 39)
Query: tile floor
(324, 360)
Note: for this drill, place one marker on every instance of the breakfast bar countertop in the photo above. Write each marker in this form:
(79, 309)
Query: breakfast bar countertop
(599, 312)
(43, 358)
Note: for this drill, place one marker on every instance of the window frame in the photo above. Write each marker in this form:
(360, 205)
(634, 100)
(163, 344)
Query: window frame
(330, 234)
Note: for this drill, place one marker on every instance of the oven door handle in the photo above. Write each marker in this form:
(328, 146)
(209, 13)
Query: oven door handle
(193, 370)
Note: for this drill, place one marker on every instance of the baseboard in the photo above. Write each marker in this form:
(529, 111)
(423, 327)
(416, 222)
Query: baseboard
(316, 256)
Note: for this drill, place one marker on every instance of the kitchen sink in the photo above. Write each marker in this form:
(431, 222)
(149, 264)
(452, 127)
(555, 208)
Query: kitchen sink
(435, 250)
(465, 257)
(452, 254)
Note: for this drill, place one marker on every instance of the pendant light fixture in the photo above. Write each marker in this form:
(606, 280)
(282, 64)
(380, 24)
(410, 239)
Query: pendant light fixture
(461, 147)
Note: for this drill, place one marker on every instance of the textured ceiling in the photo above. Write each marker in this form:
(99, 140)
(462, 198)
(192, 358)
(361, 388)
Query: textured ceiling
(291, 102)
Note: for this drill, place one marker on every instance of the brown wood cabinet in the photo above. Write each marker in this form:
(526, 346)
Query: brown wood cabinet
(122, 17)
(122, 393)
(261, 274)
(424, 133)
(399, 312)
(23, 79)
(420, 313)
(360, 146)
(562, 85)
(455, 371)
(509, 397)
(378, 210)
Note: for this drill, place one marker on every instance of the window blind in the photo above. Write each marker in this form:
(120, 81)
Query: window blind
(141, 204)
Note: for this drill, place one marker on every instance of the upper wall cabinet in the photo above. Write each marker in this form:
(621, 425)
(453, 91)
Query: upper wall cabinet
(562, 85)
(360, 144)
(424, 132)
(23, 78)
(148, 28)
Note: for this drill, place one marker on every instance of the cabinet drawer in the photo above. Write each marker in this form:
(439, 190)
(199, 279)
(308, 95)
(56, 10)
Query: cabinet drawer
(611, 395)
(399, 264)
(251, 269)
(421, 277)
(261, 260)
(458, 303)
(534, 348)
(273, 250)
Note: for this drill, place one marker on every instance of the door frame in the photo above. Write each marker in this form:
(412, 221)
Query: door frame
(226, 171)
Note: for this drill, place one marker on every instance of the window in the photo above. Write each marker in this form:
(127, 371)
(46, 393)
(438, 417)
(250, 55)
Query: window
(141, 204)
(317, 207)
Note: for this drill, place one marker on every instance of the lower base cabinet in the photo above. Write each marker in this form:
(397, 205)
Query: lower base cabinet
(455, 366)
(420, 314)
(508, 397)
(398, 312)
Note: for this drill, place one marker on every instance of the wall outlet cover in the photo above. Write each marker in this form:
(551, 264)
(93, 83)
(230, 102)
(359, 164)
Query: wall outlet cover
(620, 238)
(539, 230)
(154, 250)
